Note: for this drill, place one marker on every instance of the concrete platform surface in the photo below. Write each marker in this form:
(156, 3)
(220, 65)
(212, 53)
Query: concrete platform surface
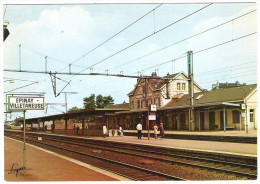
(251, 133)
(44, 165)
(211, 146)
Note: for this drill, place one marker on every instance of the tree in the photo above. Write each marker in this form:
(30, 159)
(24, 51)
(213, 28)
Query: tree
(108, 100)
(74, 109)
(89, 102)
(99, 101)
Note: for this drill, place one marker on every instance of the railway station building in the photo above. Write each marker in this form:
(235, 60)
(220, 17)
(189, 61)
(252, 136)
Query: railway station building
(231, 108)
(221, 109)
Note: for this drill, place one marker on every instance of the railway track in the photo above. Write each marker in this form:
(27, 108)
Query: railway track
(241, 170)
(126, 170)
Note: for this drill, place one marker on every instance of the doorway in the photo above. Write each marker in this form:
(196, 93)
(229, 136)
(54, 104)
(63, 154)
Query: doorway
(175, 122)
(202, 121)
(212, 120)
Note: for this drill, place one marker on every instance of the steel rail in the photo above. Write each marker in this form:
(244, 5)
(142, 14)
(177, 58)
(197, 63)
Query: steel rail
(252, 176)
(173, 161)
(114, 162)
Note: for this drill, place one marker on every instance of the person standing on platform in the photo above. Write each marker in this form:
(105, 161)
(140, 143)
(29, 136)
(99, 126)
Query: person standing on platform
(155, 128)
(121, 131)
(104, 131)
(139, 130)
(161, 130)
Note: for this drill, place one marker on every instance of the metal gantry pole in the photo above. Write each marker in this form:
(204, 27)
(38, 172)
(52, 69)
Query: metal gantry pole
(191, 89)
(66, 103)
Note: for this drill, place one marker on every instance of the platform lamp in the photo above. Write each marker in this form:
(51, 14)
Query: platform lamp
(5, 30)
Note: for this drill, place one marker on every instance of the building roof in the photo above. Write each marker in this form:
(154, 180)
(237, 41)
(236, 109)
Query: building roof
(226, 85)
(123, 106)
(156, 84)
(221, 95)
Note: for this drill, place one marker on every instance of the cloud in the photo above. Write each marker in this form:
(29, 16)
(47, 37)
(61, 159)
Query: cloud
(56, 31)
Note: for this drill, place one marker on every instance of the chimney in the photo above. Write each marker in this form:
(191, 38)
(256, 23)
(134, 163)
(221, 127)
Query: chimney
(154, 75)
(217, 85)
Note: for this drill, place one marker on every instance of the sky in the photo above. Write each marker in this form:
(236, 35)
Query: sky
(68, 33)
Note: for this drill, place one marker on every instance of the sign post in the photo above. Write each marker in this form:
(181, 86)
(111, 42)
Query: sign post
(24, 148)
(152, 115)
(23, 103)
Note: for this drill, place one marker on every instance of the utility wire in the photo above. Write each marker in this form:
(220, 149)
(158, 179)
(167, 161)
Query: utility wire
(142, 39)
(8, 79)
(227, 78)
(21, 87)
(107, 82)
(231, 74)
(233, 66)
(225, 69)
(200, 51)
(115, 34)
(185, 39)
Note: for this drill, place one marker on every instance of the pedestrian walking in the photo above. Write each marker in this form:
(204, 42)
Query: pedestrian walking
(155, 128)
(104, 131)
(161, 130)
(139, 130)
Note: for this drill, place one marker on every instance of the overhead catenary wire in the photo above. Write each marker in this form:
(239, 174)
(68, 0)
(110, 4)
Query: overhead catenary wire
(142, 39)
(21, 87)
(225, 69)
(90, 67)
(185, 39)
(227, 78)
(125, 28)
(233, 66)
(223, 43)
(249, 71)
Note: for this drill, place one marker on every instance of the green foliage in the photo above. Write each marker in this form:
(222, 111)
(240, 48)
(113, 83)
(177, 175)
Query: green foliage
(74, 109)
(99, 101)
(89, 102)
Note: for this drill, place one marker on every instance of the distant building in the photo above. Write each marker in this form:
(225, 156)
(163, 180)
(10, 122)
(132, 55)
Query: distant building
(226, 85)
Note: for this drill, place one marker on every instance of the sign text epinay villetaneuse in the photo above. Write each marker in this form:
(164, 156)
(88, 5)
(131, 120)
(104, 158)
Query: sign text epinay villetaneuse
(26, 103)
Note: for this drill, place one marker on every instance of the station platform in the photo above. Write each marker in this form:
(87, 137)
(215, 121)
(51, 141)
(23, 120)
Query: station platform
(44, 165)
(242, 133)
(210, 146)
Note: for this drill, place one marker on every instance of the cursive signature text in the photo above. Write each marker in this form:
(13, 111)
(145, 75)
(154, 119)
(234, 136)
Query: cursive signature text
(15, 169)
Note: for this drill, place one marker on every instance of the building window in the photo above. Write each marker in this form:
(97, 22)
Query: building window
(146, 103)
(139, 104)
(252, 115)
(158, 102)
(183, 86)
(235, 115)
(133, 106)
(178, 86)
